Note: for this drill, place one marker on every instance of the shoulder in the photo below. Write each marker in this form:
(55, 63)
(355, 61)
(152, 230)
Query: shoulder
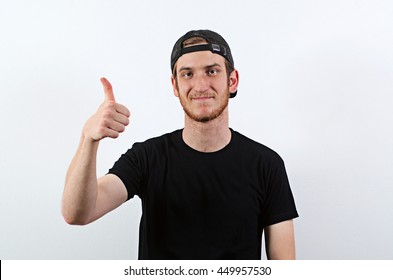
(161, 141)
(254, 148)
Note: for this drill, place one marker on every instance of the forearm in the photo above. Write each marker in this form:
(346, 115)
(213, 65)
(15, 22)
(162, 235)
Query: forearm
(80, 190)
(79, 204)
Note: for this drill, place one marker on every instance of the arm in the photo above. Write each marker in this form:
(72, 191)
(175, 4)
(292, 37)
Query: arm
(85, 198)
(280, 241)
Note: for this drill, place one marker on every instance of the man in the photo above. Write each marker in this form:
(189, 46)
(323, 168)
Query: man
(207, 191)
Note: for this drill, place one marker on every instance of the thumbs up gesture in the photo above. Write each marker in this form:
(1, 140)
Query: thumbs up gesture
(110, 119)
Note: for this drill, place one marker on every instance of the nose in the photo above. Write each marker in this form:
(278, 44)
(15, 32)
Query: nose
(201, 83)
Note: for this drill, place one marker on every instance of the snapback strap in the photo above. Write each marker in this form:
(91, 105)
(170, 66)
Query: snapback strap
(205, 47)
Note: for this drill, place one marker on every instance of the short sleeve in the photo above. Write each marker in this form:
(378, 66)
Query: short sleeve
(279, 204)
(130, 169)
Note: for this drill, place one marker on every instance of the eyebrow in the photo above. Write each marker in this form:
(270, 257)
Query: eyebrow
(185, 68)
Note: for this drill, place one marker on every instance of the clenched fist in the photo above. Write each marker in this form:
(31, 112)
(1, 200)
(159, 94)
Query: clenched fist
(110, 119)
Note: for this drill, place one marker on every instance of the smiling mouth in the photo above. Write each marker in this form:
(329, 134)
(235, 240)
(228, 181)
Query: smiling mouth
(201, 98)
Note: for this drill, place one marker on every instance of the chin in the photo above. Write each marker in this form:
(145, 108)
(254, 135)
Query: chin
(203, 118)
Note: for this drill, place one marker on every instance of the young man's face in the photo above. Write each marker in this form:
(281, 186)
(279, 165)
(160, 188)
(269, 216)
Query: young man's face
(202, 85)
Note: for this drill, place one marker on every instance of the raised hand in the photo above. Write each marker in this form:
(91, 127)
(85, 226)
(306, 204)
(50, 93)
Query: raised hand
(110, 119)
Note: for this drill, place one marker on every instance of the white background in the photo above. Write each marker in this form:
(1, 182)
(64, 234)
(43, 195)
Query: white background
(316, 85)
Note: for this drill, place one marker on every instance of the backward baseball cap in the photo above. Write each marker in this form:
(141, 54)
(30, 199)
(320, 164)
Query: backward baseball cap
(215, 43)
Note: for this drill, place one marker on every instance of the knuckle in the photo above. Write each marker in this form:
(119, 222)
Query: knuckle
(105, 123)
(110, 103)
(107, 114)
(102, 131)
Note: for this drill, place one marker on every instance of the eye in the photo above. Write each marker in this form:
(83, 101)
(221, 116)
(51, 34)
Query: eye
(212, 72)
(186, 75)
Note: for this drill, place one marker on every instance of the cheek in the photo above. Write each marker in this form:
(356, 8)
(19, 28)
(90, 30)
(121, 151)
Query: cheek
(183, 88)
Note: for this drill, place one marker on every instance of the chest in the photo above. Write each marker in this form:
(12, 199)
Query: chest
(206, 189)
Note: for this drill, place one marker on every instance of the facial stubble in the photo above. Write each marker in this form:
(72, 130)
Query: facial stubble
(205, 118)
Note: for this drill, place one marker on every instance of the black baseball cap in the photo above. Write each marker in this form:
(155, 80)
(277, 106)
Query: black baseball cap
(215, 43)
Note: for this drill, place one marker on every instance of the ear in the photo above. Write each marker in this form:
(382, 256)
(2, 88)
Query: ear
(233, 81)
(174, 86)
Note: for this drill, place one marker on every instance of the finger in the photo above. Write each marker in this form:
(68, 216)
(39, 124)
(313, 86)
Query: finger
(108, 132)
(122, 110)
(120, 118)
(116, 126)
(109, 96)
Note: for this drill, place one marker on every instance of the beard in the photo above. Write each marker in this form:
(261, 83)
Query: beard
(205, 117)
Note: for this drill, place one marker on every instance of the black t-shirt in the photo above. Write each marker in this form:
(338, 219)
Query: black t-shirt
(199, 205)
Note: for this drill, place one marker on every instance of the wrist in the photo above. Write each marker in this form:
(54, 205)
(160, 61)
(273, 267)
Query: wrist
(88, 140)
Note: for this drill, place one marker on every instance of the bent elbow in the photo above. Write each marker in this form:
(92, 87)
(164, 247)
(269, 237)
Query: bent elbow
(73, 219)
(73, 222)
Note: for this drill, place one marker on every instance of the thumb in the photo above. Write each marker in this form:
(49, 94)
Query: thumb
(109, 96)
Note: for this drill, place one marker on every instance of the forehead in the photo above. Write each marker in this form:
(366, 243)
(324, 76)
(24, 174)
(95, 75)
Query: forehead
(200, 59)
